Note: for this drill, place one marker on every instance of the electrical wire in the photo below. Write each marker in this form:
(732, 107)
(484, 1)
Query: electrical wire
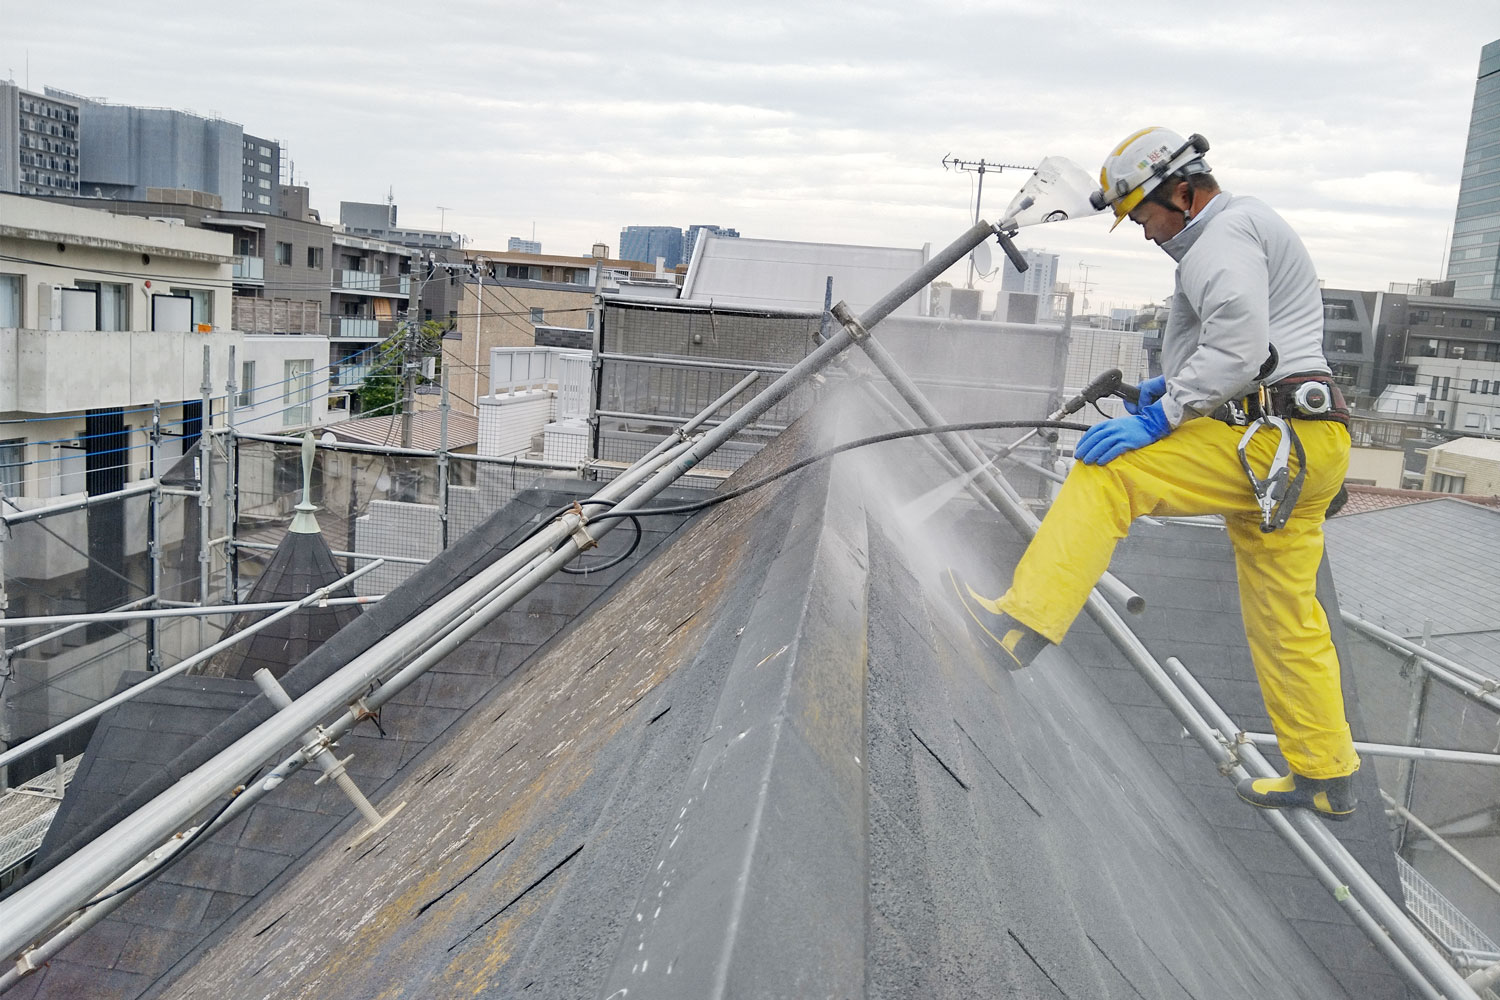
(593, 567)
(192, 841)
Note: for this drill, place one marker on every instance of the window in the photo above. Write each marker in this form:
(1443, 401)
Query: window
(1447, 384)
(12, 466)
(1428, 348)
(538, 315)
(1471, 421)
(298, 410)
(1343, 341)
(1444, 483)
(1417, 316)
(10, 300)
(247, 384)
(263, 199)
(523, 272)
(315, 257)
(264, 184)
(113, 309)
(284, 254)
(1466, 323)
(1473, 385)
(265, 151)
(264, 168)
(1453, 350)
(203, 304)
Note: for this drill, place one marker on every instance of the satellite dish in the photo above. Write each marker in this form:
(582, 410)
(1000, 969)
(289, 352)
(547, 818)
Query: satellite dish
(981, 257)
(383, 483)
(329, 438)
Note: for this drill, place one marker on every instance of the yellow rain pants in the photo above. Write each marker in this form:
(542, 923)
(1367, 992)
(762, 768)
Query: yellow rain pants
(1196, 470)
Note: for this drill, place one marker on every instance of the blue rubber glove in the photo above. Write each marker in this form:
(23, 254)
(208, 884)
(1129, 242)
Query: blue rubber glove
(1151, 390)
(1103, 443)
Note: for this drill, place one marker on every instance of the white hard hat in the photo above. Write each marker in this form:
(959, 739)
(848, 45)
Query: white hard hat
(1139, 164)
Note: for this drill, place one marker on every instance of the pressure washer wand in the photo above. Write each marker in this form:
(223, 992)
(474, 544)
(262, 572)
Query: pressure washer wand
(1106, 384)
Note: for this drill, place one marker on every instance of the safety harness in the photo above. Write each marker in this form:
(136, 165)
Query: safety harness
(1303, 396)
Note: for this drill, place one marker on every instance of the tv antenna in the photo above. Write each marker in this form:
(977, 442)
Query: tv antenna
(980, 167)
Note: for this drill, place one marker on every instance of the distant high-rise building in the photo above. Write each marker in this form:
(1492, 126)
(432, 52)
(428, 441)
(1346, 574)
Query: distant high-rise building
(692, 237)
(125, 151)
(1474, 258)
(517, 245)
(262, 175)
(1037, 280)
(646, 243)
(38, 142)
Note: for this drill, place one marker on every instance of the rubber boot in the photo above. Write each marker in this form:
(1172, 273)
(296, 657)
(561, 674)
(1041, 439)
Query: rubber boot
(1018, 642)
(1330, 797)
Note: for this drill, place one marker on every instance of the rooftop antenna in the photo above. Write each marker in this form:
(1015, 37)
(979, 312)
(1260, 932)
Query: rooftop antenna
(442, 216)
(1085, 284)
(980, 167)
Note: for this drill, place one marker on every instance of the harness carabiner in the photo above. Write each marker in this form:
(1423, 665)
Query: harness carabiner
(1278, 492)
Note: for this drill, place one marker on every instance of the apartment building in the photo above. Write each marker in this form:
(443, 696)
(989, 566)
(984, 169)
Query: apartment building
(38, 142)
(507, 296)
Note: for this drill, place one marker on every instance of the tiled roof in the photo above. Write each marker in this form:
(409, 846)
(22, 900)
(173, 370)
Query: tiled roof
(426, 430)
(774, 762)
(1367, 498)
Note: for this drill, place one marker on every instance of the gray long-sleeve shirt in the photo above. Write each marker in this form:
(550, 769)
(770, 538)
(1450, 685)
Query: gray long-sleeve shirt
(1244, 283)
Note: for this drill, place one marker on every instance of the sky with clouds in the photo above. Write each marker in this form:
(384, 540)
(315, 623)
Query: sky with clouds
(813, 121)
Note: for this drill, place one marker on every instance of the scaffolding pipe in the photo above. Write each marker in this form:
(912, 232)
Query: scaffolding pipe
(1465, 680)
(670, 362)
(1439, 841)
(48, 620)
(1388, 927)
(38, 906)
(1392, 750)
(125, 614)
(37, 513)
(960, 446)
(205, 481)
(153, 541)
(231, 487)
(93, 712)
(405, 560)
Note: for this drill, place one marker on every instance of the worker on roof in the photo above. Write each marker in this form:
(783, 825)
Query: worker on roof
(1244, 341)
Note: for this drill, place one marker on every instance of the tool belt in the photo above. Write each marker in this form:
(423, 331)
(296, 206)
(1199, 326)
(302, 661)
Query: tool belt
(1285, 399)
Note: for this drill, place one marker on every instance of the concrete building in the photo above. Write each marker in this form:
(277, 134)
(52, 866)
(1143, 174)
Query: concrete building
(1474, 259)
(1039, 279)
(647, 243)
(38, 142)
(1349, 340)
(261, 190)
(1464, 465)
(127, 150)
(517, 245)
(1448, 348)
(690, 238)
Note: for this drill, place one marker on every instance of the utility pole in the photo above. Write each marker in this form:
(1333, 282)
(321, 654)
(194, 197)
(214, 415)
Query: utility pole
(980, 167)
(410, 364)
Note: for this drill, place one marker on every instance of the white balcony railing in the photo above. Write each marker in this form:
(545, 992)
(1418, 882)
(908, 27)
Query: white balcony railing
(369, 281)
(247, 268)
(352, 326)
(359, 281)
